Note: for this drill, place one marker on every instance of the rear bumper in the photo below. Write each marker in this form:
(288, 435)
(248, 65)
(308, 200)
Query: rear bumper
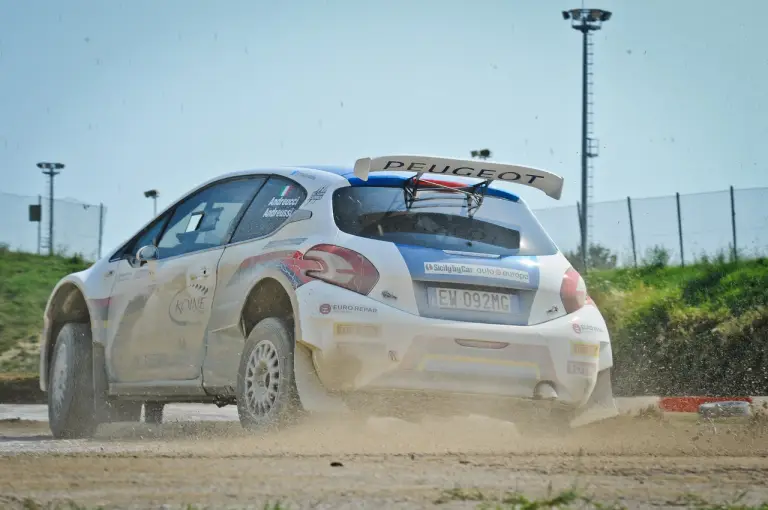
(360, 344)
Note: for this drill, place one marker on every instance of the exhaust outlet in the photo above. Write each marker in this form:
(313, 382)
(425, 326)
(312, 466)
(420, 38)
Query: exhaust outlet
(544, 391)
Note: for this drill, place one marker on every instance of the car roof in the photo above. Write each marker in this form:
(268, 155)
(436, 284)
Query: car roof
(377, 179)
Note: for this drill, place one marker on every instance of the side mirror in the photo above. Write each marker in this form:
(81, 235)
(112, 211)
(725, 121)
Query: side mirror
(146, 253)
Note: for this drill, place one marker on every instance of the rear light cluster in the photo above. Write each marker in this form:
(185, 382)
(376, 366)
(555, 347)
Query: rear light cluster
(342, 267)
(573, 291)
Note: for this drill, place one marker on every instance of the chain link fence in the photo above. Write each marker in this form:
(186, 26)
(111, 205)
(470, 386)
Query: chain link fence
(77, 228)
(631, 229)
(708, 225)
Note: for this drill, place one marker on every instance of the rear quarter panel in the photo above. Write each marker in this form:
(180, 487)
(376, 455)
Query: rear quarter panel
(244, 265)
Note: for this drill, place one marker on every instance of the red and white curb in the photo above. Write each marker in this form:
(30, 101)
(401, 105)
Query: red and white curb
(681, 404)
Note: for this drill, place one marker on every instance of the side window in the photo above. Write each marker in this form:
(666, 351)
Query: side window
(274, 204)
(147, 237)
(205, 219)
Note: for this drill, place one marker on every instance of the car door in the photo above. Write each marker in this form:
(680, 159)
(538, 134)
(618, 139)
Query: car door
(134, 283)
(163, 340)
(252, 248)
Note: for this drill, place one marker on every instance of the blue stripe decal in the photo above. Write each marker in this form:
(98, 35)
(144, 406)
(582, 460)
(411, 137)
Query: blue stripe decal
(430, 264)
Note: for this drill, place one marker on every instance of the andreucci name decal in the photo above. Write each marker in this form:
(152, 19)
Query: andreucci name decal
(450, 268)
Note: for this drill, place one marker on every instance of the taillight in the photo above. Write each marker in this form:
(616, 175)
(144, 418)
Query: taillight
(573, 291)
(343, 267)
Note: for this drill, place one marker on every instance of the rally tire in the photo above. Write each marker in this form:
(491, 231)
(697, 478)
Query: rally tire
(153, 412)
(71, 411)
(266, 389)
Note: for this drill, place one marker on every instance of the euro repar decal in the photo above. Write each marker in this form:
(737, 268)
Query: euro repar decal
(327, 308)
(462, 171)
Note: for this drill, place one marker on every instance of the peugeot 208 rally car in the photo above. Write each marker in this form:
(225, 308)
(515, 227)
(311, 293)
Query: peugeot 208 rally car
(299, 288)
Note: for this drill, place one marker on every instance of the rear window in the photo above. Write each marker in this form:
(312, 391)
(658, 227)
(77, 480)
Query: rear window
(440, 220)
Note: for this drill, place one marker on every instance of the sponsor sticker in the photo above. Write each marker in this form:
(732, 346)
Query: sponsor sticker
(303, 174)
(585, 349)
(283, 202)
(450, 268)
(277, 213)
(280, 206)
(580, 328)
(327, 308)
(317, 195)
(582, 368)
(356, 329)
(187, 307)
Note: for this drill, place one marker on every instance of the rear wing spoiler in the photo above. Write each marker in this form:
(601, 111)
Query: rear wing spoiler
(549, 183)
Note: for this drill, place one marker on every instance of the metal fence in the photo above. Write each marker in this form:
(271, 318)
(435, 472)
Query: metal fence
(77, 227)
(708, 224)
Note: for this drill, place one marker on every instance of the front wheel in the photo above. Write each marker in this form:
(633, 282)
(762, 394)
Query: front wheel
(71, 410)
(266, 390)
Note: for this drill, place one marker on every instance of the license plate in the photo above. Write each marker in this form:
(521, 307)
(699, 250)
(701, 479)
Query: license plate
(475, 300)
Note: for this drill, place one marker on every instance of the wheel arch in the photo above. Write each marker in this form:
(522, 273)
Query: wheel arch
(271, 295)
(66, 304)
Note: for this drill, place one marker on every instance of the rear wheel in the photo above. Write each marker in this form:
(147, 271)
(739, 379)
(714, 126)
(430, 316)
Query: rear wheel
(71, 411)
(266, 389)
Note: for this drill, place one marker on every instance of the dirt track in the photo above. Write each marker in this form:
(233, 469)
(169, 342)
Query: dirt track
(385, 463)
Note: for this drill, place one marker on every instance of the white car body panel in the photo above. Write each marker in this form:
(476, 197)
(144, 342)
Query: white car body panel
(187, 336)
(396, 349)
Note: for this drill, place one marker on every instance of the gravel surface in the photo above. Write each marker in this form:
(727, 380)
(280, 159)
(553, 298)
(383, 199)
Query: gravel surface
(366, 462)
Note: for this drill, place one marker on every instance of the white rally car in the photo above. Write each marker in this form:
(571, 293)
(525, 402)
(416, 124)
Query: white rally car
(300, 288)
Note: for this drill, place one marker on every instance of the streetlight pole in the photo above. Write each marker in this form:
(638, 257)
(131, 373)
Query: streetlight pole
(50, 169)
(153, 194)
(586, 21)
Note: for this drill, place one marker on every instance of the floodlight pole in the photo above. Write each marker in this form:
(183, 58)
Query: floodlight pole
(50, 169)
(481, 154)
(585, 21)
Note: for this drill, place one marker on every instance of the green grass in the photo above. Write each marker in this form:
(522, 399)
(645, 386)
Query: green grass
(26, 281)
(696, 330)
(575, 498)
(488, 500)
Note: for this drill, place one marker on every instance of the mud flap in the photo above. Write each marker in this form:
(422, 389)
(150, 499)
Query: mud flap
(601, 404)
(312, 394)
